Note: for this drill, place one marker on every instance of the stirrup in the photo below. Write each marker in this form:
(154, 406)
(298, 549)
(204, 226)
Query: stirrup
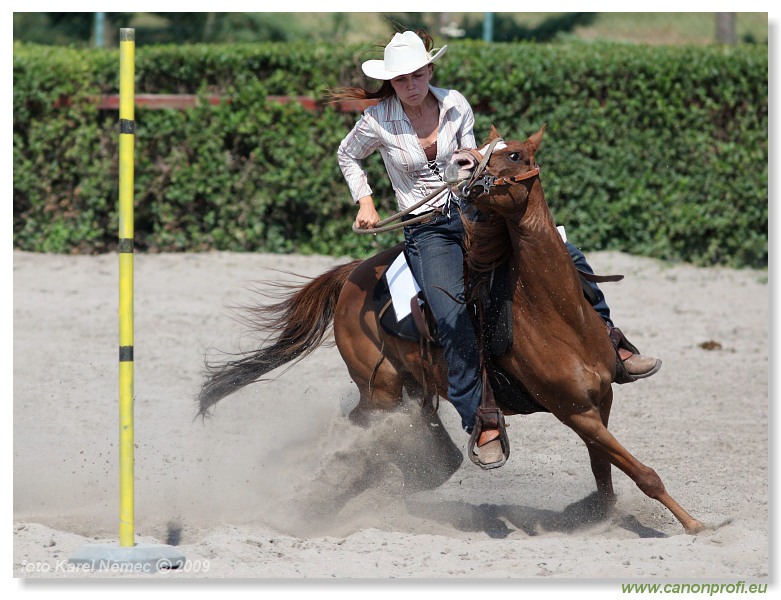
(489, 418)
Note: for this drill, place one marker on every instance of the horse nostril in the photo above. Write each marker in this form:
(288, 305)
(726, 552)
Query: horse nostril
(451, 172)
(459, 162)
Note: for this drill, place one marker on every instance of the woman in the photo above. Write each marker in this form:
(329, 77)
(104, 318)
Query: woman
(416, 127)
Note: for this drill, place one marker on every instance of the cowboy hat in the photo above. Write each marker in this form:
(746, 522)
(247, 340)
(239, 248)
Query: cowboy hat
(404, 54)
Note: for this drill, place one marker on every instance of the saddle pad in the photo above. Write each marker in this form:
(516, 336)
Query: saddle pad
(402, 285)
(404, 327)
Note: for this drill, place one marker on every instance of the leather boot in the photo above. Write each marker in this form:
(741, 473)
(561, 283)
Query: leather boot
(637, 366)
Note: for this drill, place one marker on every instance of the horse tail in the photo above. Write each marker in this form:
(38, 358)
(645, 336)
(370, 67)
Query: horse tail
(295, 326)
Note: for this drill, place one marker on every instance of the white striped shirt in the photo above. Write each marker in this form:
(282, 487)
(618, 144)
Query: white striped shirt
(386, 127)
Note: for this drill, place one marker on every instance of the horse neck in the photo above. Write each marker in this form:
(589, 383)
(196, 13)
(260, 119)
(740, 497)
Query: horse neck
(542, 263)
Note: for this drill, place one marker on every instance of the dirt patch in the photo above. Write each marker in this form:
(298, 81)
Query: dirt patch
(278, 484)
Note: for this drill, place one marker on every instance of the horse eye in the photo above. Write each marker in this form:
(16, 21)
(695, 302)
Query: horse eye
(514, 156)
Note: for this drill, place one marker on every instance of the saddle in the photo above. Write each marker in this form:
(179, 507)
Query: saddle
(419, 325)
(491, 289)
(493, 293)
(406, 328)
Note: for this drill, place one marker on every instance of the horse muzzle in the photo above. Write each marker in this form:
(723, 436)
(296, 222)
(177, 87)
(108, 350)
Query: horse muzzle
(459, 170)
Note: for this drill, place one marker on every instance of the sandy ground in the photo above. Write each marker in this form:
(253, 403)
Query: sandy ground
(279, 485)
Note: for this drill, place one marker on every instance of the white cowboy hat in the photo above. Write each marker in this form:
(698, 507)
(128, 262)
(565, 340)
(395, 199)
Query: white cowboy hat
(404, 54)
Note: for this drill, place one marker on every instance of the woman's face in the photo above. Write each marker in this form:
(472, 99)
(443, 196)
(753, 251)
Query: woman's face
(413, 88)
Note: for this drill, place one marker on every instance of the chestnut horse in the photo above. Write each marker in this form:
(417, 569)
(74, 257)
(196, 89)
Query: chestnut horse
(561, 351)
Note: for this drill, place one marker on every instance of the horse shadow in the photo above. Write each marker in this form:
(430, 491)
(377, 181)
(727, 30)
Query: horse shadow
(400, 458)
(500, 520)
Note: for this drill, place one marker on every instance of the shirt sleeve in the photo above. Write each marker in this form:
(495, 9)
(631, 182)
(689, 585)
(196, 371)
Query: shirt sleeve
(466, 133)
(358, 144)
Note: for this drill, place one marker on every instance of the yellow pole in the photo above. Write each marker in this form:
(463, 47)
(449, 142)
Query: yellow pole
(127, 41)
(138, 558)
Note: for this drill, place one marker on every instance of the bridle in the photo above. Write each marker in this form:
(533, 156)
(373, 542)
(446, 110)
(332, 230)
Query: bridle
(481, 182)
(477, 185)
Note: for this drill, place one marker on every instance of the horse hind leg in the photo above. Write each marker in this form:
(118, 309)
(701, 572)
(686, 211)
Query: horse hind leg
(380, 391)
(590, 427)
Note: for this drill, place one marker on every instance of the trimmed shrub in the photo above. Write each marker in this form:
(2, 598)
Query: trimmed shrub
(658, 151)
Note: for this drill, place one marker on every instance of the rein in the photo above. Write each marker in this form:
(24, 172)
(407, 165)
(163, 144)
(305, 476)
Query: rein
(385, 224)
(388, 224)
(480, 182)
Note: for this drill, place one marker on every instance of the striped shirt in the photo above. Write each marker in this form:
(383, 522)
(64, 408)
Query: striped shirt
(386, 128)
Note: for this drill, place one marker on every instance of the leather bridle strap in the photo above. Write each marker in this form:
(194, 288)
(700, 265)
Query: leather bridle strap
(517, 178)
(487, 181)
(482, 160)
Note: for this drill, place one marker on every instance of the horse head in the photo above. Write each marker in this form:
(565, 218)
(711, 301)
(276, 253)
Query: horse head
(488, 177)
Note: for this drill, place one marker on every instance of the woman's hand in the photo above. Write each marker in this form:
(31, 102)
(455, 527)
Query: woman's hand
(367, 214)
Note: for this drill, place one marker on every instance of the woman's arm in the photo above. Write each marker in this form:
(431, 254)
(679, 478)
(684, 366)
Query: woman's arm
(358, 144)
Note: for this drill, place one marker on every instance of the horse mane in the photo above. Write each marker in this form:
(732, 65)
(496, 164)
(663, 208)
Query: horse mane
(487, 241)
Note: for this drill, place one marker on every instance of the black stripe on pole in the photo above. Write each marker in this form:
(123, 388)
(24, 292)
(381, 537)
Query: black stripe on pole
(127, 126)
(127, 34)
(126, 245)
(126, 354)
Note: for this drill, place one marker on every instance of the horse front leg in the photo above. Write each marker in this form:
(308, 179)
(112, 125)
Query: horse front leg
(600, 462)
(590, 427)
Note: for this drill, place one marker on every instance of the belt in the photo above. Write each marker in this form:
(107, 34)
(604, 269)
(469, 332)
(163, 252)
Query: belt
(425, 217)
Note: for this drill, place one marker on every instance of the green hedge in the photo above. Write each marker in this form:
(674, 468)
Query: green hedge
(656, 151)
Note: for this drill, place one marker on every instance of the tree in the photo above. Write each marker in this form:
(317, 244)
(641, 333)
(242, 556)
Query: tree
(725, 28)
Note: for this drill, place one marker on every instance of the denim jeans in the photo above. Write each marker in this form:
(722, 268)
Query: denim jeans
(580, 262)
(436, 256)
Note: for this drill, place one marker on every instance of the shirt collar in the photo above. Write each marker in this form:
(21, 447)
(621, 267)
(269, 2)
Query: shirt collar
(396, 112)
(443, 96)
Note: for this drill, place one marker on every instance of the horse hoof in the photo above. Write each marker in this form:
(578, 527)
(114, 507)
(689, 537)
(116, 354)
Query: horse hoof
(359, 418)
(694, 527)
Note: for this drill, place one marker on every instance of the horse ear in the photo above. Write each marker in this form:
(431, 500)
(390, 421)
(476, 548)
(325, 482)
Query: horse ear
(493, 134)
(536, 138)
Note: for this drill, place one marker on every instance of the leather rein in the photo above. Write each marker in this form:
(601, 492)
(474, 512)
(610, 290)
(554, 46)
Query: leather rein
(481, 182)
(389, 223)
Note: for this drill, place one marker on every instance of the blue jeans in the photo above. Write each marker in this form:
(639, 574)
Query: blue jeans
(580, 262)
(436, 255)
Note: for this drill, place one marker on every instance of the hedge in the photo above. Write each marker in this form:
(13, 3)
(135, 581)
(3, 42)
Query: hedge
(656, 151)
